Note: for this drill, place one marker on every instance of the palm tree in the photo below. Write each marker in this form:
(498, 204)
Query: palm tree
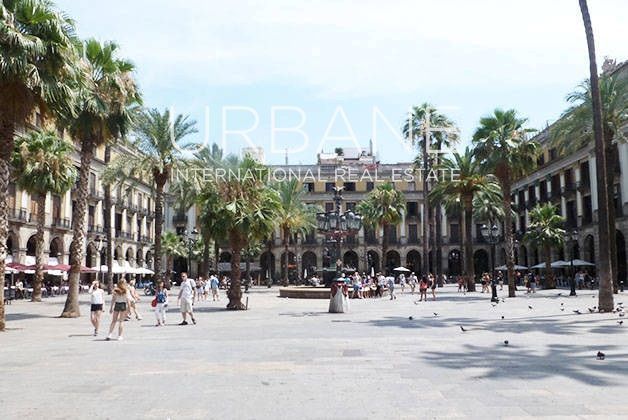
(294, 215)
(172, 246)
(37, 73)
(546, 231)
(502, 148)
(101, 115)
(469, 182)
(604, 266)
(427, 129)
(43, 164)
(575, 129)
(245, 209)
(382, 208)
(249, 253)
(159, 138)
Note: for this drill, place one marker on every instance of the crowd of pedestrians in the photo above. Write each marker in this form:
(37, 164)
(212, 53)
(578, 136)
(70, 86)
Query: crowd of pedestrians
(379, 285)
(124, 298)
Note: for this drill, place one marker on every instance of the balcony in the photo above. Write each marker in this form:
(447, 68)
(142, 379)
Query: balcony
(454, 240)
(95, 229)
(61, 223)
(124, 235)
(413, 240)
(530, 204)
(180, 219)
(371, 240)
(133, 208)
(19, 215)
(555, 193)
(96, 195)
(569, 187)
(145, 239)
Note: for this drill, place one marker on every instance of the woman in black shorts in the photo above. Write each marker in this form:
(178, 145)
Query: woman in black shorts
(119, 307)
(97, 300)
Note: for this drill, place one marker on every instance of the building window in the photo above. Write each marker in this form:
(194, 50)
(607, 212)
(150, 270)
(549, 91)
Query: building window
(411, 186)
(329, 186)
(370, 185)
(308, 187)
(454, 233)
(413, 233)
(543, 190)
(587, 210)
(585, 180)
(349, 186)
(552, 154)
(412, 208)
(329, 207)
(350, 206)
(571, 214)
(541, 160)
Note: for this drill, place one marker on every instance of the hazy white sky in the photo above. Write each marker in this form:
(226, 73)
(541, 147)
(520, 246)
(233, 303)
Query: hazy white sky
(466, 56)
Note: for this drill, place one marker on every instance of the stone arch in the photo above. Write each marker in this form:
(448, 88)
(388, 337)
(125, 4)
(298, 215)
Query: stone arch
(139, 257)
(350, 259)
(225, 256)
(268, 268)
(309, 262)
(129, 255)
(393, 260)
(13, 244)
(31, 246)
(480, 262)
(372, 261)
(91, 254)
(454, 262)
(413, 261)
(117, 253)
(55, 248)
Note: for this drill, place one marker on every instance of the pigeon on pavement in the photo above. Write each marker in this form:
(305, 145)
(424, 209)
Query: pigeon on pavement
(462, 329)
(577, 311)
(600, 355)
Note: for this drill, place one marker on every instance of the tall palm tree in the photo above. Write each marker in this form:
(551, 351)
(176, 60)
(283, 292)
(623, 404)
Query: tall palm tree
(575, 129)
(470, 181)
(37, 72)
(382, 208)
(503, 149)
(101, 115)
(159, 138)
(246, 209)
(427, 128)
(172, 246)
(546, 231)
(294, 215)
(42, 164)
(604, 266)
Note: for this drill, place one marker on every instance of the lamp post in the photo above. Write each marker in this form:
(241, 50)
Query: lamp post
(190, 241)
(573, 239)
(336, 225)
(491, 235)
(100, 242)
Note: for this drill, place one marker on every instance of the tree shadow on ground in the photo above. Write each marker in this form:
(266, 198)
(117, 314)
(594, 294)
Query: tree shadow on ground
(22, 316)
(576, 362)
(563, 324)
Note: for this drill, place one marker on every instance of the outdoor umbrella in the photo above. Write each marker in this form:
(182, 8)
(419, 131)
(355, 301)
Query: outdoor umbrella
(579, 263)
(401, 269)
(516, 267)
(560, 264)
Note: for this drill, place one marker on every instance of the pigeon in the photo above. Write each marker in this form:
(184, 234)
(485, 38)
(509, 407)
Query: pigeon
(591, 310)
(577, 311)
(562, 303)
(562, 309)
(493, 305)
(462, 329)
(435, 314)
(410, 318)
(529, 307)
(600, 355)
(620, 322)
(502, 316)
(560, 294)
(505, 342)
(621, 314)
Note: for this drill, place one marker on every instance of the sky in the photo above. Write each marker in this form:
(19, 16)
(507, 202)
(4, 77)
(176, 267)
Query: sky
(314, 75)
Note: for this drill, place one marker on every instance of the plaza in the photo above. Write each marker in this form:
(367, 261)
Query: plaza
(289, 358)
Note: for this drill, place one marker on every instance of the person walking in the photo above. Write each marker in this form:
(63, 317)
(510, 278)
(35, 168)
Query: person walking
(133, 298)
(161, 296)
(402, 282)
(214, 284)
(390, 282)
(423, 289)
(412, 281)
(119, 307)
(97, 300)
(186, 297)
(433, 285)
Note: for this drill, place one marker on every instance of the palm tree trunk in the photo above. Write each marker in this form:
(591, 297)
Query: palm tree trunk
(107, 213)
(549, 275)
(604, 266)
(426, 212)
(438, 242)
(286, 238)
(467, 202)
(216, 256)
(506, 188)
(206, 258)
(39, 248)
(159, 223)
(7, 131)
(385, 248)
(235, 291)
(71, 309)
(610, 174)
(269, 260)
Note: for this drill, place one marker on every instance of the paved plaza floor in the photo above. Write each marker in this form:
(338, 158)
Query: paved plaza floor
(290, 359)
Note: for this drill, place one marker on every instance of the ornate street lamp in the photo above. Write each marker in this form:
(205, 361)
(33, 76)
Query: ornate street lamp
(190, 240)
(336, 225)
(573, 239)
(491, 235)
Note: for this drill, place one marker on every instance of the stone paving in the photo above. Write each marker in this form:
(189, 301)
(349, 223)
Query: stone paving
(288, 358)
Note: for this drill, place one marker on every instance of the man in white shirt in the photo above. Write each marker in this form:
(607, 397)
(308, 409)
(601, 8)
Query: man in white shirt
(187, 292)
